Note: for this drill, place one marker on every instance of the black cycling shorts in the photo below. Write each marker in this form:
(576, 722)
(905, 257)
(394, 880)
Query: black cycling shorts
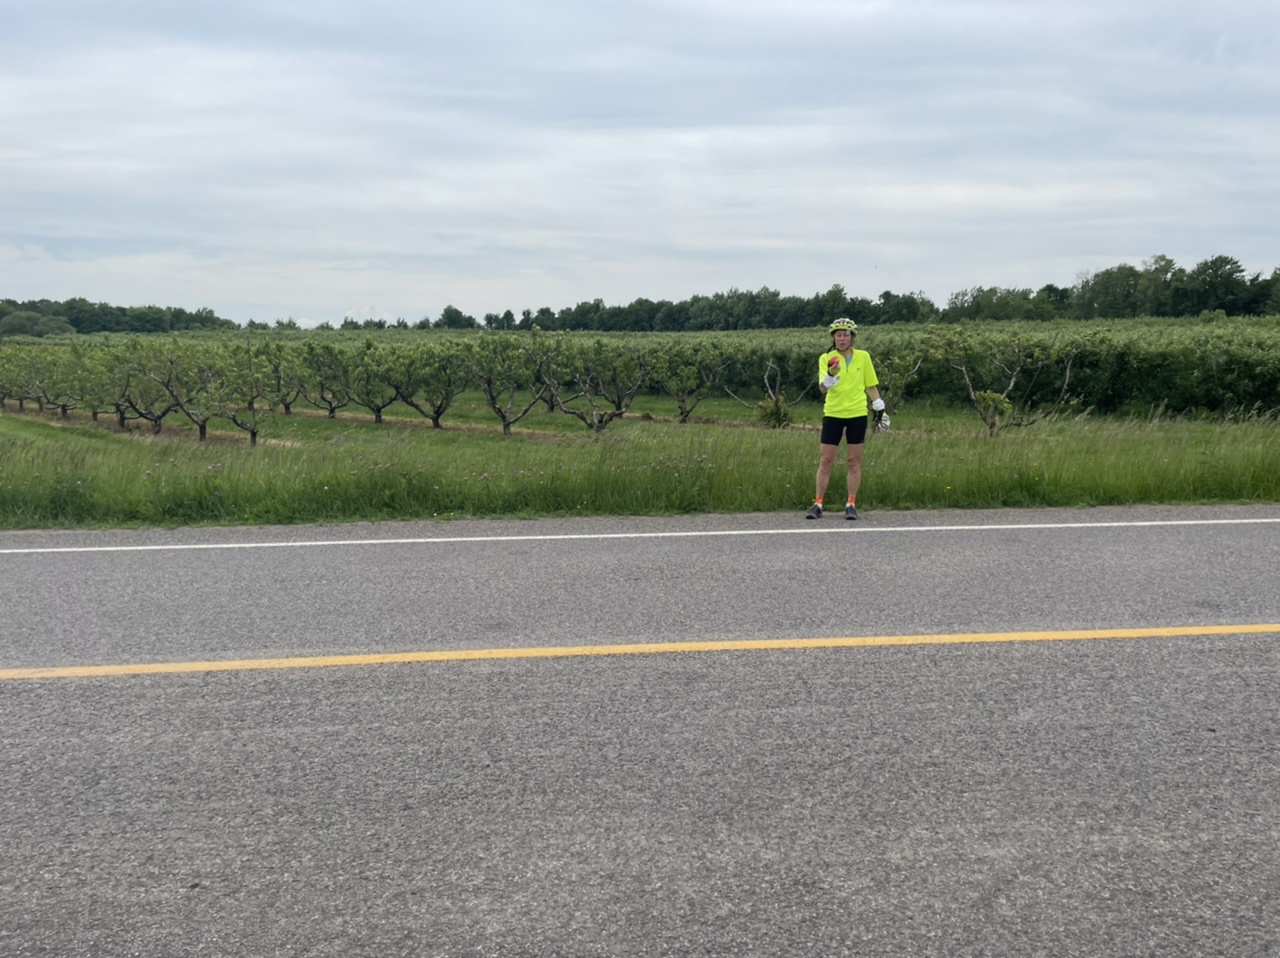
(854, 430)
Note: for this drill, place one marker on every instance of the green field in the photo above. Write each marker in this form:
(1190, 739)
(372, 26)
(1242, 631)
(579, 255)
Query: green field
(58, 473)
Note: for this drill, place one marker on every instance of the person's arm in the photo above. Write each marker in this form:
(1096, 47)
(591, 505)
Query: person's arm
(874, 402)
(826, 377)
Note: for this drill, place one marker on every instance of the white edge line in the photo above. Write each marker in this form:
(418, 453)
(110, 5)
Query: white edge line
(445, 540)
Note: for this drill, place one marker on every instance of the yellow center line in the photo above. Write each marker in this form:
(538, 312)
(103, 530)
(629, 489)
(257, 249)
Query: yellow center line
(647, 648)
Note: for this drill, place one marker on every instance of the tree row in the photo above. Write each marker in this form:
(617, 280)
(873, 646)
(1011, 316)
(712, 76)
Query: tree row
(1010, 375)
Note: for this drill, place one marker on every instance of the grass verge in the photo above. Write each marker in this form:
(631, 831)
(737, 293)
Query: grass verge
(310, 469)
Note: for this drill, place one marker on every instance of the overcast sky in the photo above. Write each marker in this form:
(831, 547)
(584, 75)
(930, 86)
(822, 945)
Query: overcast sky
(323, 158)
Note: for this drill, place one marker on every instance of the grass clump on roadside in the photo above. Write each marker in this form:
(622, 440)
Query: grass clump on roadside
(1075, 462)
(311, 469)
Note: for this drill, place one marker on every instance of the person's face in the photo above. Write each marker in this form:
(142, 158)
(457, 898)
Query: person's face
(843, 339)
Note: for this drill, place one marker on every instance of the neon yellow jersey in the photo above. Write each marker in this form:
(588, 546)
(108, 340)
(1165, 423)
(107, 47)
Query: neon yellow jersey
(847, 399)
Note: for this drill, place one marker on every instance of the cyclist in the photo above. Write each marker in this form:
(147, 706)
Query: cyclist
(847, 380)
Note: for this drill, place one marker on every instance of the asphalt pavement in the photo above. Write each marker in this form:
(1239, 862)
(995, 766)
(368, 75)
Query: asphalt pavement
(1056, 797)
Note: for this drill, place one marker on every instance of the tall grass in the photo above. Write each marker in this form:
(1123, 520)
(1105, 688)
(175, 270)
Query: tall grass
(316, 470)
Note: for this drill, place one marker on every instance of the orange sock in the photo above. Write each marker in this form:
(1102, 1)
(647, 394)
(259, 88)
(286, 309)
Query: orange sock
(850, 502)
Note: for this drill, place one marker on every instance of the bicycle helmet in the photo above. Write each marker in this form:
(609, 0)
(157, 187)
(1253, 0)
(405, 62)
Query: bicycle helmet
(843, 323)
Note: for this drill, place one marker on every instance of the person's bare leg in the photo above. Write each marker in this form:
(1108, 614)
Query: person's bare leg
(826, 460)
(855, 470)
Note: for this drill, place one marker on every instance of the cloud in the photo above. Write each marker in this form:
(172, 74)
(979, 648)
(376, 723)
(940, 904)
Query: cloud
(314, 159)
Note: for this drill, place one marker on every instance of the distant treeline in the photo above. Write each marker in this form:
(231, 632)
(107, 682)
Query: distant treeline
(1159, 287)
(45, 317)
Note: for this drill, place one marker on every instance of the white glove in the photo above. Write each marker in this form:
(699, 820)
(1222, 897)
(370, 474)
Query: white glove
(877, 405)
(829, 381)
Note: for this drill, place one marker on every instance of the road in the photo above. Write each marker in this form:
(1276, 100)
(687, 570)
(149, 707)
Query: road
(1014, 780)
